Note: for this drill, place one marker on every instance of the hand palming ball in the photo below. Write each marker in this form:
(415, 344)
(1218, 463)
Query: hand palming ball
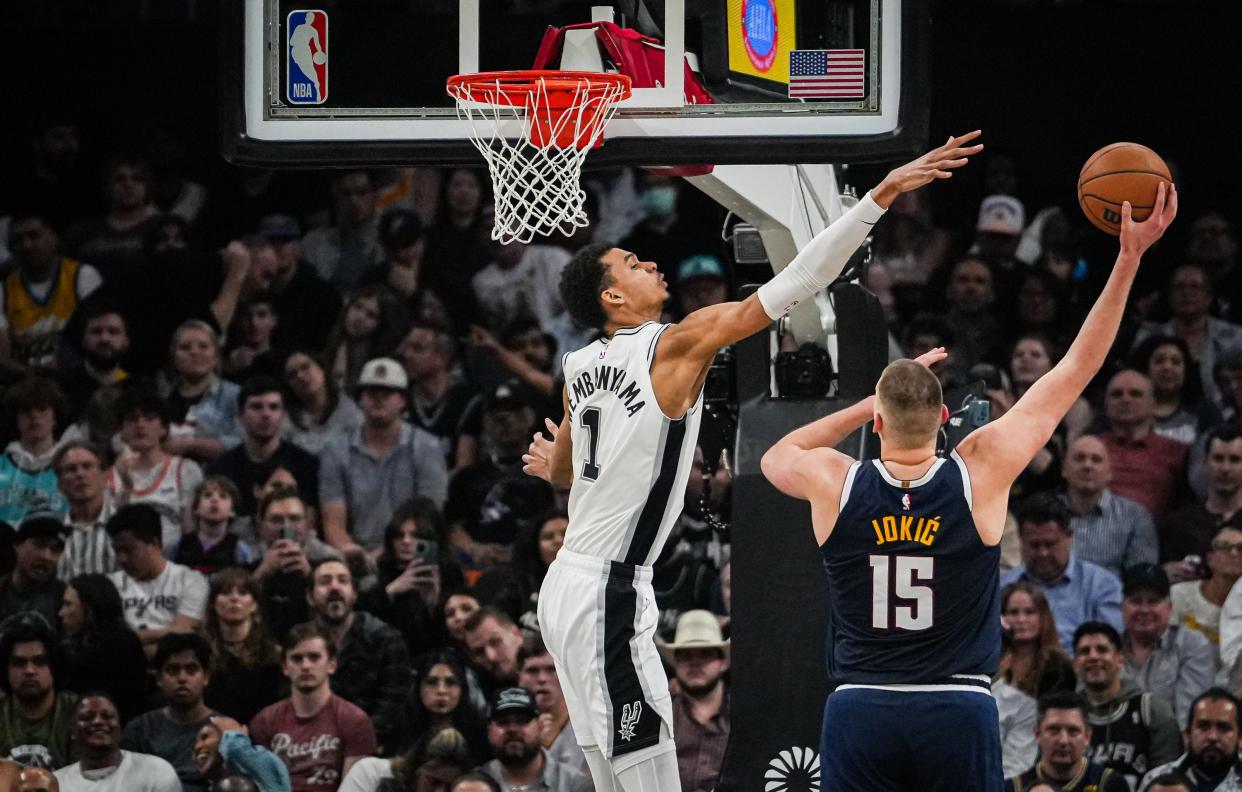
(1116, 173)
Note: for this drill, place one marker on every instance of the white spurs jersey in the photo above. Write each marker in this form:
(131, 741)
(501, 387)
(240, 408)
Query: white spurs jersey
(631, 462)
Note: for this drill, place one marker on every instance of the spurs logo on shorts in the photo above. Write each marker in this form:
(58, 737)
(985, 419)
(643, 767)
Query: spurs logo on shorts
(630, 715)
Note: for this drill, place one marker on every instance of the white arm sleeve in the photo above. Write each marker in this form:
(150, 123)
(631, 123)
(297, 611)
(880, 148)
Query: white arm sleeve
(822, 260)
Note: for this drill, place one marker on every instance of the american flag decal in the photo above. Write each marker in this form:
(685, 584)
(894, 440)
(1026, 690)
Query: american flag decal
(826, 74)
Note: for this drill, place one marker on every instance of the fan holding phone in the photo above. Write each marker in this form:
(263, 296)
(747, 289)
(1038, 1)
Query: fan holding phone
(413, 573)
(285, 535)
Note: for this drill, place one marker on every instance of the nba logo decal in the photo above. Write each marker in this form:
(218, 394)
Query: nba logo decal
(306, 57)
(905, 502)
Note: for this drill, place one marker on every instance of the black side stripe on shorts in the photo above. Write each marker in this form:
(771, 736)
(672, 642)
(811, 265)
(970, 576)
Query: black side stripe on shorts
(648, 526)
(635, 723)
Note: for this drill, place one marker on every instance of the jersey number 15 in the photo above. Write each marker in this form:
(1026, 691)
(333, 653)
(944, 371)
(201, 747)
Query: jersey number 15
(886, 612)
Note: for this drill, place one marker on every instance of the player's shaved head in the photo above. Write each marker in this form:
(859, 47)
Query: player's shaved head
(909, 400)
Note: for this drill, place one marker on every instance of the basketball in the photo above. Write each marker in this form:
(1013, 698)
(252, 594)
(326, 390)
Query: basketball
(1117, 173)
(319, 58)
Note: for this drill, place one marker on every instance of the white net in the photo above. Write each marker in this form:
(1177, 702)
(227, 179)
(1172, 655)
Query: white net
(535, 175)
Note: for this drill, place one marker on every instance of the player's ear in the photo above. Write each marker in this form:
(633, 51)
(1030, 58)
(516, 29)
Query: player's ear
(877, 423)
(944, 414)
(611, 297)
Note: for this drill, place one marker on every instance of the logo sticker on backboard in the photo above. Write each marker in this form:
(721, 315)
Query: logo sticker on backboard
(759, 32)
(306, 57)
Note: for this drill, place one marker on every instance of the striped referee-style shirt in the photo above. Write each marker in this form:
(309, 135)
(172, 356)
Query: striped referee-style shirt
(1117, 533)
(88, 550)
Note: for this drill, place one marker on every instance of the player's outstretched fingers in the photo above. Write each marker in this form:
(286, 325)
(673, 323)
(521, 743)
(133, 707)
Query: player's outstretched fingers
(1162, 196)
(966, 138)
(932, 356)
(955, 144)
(1162, 201)
(1170, 209)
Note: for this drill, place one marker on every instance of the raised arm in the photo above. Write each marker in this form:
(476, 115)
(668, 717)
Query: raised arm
(805, 461)
(708, 329)
(995, 454)
(686, 349)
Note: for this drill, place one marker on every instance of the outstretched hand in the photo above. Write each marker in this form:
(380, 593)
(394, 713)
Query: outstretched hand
(939, 163)
(1136, 237)
(932, 356)
(537, 461)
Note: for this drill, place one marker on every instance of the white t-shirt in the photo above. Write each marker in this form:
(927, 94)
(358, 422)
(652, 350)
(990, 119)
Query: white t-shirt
(530, 288)
(137, 772)
(366, 775)
(1191, 610)
(1018, 716)
(155, 604)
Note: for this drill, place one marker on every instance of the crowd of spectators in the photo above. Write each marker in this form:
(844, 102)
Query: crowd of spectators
(265, 521)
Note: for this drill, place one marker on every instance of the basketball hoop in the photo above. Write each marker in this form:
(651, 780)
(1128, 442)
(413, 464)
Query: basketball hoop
(535, 173)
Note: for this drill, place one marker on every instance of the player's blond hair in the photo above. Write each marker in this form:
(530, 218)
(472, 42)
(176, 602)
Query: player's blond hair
(909, 398)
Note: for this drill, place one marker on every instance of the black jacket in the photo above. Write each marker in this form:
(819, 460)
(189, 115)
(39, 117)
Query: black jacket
(373, 672)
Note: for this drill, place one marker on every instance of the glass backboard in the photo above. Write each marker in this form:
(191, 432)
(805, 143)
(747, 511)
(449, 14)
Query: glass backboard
(362, 81)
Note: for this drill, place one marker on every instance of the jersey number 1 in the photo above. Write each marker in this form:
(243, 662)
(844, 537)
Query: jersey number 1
(590, 420)
(917, 616)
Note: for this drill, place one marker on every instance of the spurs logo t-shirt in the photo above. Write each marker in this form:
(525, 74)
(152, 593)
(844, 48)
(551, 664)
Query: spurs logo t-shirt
(314, 748)
(156, 603)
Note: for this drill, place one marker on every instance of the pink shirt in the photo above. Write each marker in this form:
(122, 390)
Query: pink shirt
(315, 748)
(1148, 470)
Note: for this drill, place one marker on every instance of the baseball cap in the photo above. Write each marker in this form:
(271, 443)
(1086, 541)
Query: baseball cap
(514, 699)
(383, 373)
(1001, 214)
(701, 266)
(400, 228)
(507, 396)
(1140, 576)
(42, 525)
(277, 227)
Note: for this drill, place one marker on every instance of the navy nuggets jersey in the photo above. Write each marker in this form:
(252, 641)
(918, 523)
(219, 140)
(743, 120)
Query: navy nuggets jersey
(913, 590)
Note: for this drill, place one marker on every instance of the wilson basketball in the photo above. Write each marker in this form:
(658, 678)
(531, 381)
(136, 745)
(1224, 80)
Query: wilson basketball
(1116, 173)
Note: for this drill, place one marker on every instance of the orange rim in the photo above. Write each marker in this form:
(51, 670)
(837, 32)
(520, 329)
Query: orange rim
(516, 85)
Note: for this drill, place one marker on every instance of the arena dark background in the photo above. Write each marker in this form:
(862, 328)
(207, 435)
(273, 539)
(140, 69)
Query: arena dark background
(1048, 83)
